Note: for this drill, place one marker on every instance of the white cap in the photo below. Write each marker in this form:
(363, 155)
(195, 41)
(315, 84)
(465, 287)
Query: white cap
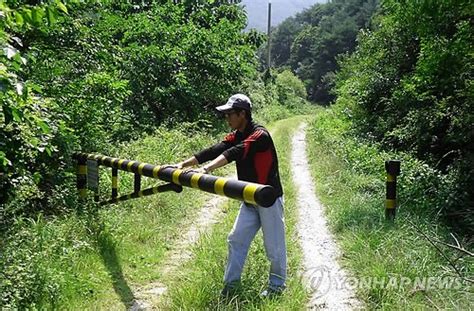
(236, 101)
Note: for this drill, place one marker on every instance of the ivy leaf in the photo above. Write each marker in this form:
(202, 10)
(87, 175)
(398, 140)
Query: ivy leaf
(61, 6)
(20, 60)
(34, 142)
(37, 15)
(4, 160)
(16, 66)
(44, 127)
(50, 15)
(19, 19)
(17, 115)
(35, 87)
(37, 177)
(27, 15)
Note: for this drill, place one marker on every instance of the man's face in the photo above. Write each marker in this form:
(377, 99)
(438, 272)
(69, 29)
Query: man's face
(235, 119)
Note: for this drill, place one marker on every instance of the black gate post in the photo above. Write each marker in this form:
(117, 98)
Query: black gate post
(392, 167)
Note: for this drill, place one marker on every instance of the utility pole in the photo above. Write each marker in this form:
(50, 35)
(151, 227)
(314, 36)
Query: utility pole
(269, 32)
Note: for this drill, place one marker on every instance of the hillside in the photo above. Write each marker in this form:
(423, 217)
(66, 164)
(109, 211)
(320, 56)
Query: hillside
(281, 9)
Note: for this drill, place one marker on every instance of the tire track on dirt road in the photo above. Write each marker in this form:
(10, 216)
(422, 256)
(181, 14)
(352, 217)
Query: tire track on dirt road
(321, 273)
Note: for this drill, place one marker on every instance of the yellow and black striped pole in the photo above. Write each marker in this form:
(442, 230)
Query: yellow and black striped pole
(392, 167)
(252, 193)
(81, 182)
(262, 195)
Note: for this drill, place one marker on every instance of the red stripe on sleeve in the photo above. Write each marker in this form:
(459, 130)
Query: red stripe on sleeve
(252, 138)
(230, 137)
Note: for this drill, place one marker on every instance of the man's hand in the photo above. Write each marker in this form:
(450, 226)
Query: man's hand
(200, 170)
(186, 163)
(216, 163)
(176, 165)
(206, 169)
(179, 165)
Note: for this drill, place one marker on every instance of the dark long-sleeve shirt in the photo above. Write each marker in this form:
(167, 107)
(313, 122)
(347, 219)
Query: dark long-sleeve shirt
(254, 153)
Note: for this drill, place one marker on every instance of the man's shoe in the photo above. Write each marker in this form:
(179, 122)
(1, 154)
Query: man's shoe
(271, 292)
(227, 292)
(230, 290)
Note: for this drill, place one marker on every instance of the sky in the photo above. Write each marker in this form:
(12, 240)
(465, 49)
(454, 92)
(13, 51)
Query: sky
(257, 11)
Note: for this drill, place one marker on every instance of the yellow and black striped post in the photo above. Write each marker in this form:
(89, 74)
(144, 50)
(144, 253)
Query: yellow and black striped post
(114, 182)
(81, 182)
(262, 195)
(96, 196)
(392, 167)
(137, 183)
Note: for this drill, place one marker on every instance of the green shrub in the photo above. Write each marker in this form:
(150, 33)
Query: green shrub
(32, 127)
(408, 86)
(422, 189)
(105, 72)
(282, 96)
(290, 89)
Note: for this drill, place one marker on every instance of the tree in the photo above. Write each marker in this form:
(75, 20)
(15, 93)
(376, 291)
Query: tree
(30, 133)
(103, 72)
(311, 42)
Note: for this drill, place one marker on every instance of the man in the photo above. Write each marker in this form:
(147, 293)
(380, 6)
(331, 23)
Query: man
(251, 146)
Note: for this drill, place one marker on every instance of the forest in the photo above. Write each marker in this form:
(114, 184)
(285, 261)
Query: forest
(400, 72)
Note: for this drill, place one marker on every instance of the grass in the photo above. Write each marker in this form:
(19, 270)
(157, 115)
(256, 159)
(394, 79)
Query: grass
(198, 284)
(350, 182)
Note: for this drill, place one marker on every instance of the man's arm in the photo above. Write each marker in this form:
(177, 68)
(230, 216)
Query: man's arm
(216, 163)
(212, 152)
(188, 162)
(206, 169)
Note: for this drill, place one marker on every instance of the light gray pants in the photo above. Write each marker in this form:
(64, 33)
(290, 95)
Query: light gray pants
(249, 220)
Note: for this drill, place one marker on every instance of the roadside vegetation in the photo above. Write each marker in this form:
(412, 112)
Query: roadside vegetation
(412, 92)
(102, 77)
(401, 90)
(400, 72)
(404, 93)
(350, 181)
(82, 76)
